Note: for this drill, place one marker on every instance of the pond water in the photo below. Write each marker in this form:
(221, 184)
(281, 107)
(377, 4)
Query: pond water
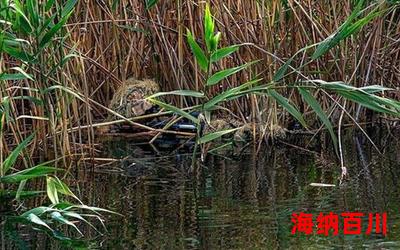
(245, 203)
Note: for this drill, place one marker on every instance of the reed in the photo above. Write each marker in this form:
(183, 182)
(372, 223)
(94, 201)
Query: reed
(100, 45)
(128, 39)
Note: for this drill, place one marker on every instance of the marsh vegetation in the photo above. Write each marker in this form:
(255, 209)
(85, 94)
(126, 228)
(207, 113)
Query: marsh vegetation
(70, 70)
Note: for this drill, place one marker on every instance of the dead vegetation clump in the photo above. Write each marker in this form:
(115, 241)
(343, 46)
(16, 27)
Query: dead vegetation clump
(129, 99)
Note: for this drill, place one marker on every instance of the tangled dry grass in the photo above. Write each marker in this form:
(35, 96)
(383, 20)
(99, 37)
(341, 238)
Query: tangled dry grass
(125, 40)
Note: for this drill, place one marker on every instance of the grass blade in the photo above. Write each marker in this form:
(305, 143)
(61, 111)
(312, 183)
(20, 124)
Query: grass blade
(10, 160)
(320, 113)
(284, 102)
(215, 135)
(175, 110)
(224, 52)
(219, 76)
(197, 51)
(190, 93)
(30, 173)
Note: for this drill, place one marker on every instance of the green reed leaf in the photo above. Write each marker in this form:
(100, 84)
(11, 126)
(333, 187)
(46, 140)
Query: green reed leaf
(52, 190)
(224, 52)
(320, 113)
(227, 94)
(150, 3)
(215, 135)
(33, 218)
(219, 76)
(30, 173)
(174, 109)
(11, 159)
(284, 102)
(190, 93)
(50, 34)
(197, 51)
(208, 28)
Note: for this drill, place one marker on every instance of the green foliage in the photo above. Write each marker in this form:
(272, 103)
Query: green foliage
(205, 59)
(211, 54)
(349, 27)
(175, 110)
(220, 75)
(27, 174)
(284, 102)
(224, 52)
(197, 51)
(309, 98)
(364, 96)
(44, 218)
(215, 135)
(10, 160)
(150, 3)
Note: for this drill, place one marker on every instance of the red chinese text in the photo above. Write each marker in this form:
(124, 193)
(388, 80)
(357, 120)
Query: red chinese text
(350, 223)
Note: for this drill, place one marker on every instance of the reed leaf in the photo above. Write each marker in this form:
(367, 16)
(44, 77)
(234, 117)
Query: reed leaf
(33, 218)
(320, 113)
(284, 102)
(224, 52)
(49, 35)
(190, 93)
(57, 216)
(175, 110)
(150, 3)
(30, 173)
(52, 190)
(227, 94)
(215, 135)
(347, 29)
(197, 51)
(219, 76)
(11, 159)
(208, 28)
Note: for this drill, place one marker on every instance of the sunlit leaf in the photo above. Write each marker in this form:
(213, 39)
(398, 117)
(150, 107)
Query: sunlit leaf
(190, 93)
(58, 217)
(215, 135)
(219, 76)
(30, 173)
(52, 192)
(36, 220)
(197, 51)
(208, 28)
(224, 52)
(28, 76)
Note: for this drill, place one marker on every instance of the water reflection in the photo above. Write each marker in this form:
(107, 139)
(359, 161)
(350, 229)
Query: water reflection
(246, 204)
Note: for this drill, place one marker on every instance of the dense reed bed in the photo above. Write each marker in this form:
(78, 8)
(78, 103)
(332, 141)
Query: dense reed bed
(128, 40)
(272, 62)
(103, 43)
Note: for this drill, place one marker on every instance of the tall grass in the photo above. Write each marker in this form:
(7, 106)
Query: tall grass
(61, 62)
(151, 43)
(76, 69)
(38, 98)
(211, 53)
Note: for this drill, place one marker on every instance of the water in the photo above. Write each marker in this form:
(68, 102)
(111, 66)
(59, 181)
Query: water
(236, 204)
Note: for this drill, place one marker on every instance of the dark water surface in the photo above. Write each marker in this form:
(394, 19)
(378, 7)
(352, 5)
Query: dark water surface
(237, 204)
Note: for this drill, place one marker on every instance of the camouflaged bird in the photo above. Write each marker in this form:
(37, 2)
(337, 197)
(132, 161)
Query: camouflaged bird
(129, 100)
